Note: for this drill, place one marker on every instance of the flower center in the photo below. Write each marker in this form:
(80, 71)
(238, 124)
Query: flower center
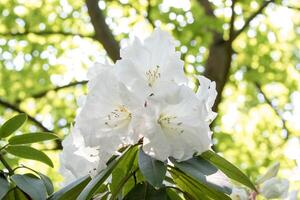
(152, 75)
(119, 117)
(170, 124)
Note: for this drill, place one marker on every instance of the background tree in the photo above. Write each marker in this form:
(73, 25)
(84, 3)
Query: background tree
(250, 48)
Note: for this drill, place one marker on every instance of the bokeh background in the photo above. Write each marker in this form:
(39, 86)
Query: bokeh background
(251, 48)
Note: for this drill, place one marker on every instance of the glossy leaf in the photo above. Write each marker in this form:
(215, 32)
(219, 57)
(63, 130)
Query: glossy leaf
(204, 172)
(153, 170)
(97, 181)
(229, 169)
(12, 125)
(122, 170)
(172, 195)
(19, 195)
(10, 195)
(144, 191)
(29, 153)
(72, 190)
(4, 187)
(47, 182)
(34, 187)
(197, 187)
(31, 138)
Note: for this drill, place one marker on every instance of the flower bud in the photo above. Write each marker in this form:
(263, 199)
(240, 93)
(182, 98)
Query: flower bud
(239, 194)
(275, 188)
(272, 172)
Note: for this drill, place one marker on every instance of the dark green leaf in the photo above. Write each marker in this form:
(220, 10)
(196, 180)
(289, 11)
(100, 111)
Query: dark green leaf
(19, 195)
(144, 191)
(47, 182)
(173, 195)
(153, 170)
(31, 138)
(191, 191)
(96, 182)
(4, 187)
(121, 172)
(229, 169)
(204, 172)
(29, 153)
(72, 190)
(197, 187)
(10, 195)
(32, 186)
(12, 125)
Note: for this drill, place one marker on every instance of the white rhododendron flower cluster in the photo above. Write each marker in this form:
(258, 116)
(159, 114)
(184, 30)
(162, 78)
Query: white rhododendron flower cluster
(143, 97)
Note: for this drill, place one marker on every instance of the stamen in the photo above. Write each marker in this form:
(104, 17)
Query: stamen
(152, 76)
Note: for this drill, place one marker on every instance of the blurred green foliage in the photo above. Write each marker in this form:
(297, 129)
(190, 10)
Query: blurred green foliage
(46, 44)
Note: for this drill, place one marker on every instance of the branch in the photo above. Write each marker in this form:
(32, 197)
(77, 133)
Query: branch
(102, 32)
(149, 8)
(209, 11)
(45, 92)
(232, 19)
(31, 118)
(294, 8)
(275, 109)
(263, 6)
(17, 109)
(6, 165)
(45, 33)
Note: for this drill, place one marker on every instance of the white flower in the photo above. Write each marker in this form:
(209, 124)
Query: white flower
(76, 159)
(239, 194)
(271, 172)
(179, 130)
(207, 94)
(275, 188)
(143, 96)
(105, 119)
(151, 66)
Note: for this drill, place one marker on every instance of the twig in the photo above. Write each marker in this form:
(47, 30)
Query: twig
(265, 4)
(17, 109)
(31, 118)
(6, 165)
(45, 33)
(232, 19)
(209, 11)
(149, 8)
(43, 93)
(275, 109)
(292, 7)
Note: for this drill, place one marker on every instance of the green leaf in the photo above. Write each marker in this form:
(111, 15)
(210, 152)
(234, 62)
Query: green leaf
(19, 195)
(31, 138)
(121, 172)
(4, 187)
(12, 125)
(47, 182)
(153, 170)
(29, 153)
(97, 181)
(32, 186)
(173, 195)
(72, 190)
(191, 191)
(10, 195)
(144, 191)
(195, 188)
(229, 169)
(205, 172)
